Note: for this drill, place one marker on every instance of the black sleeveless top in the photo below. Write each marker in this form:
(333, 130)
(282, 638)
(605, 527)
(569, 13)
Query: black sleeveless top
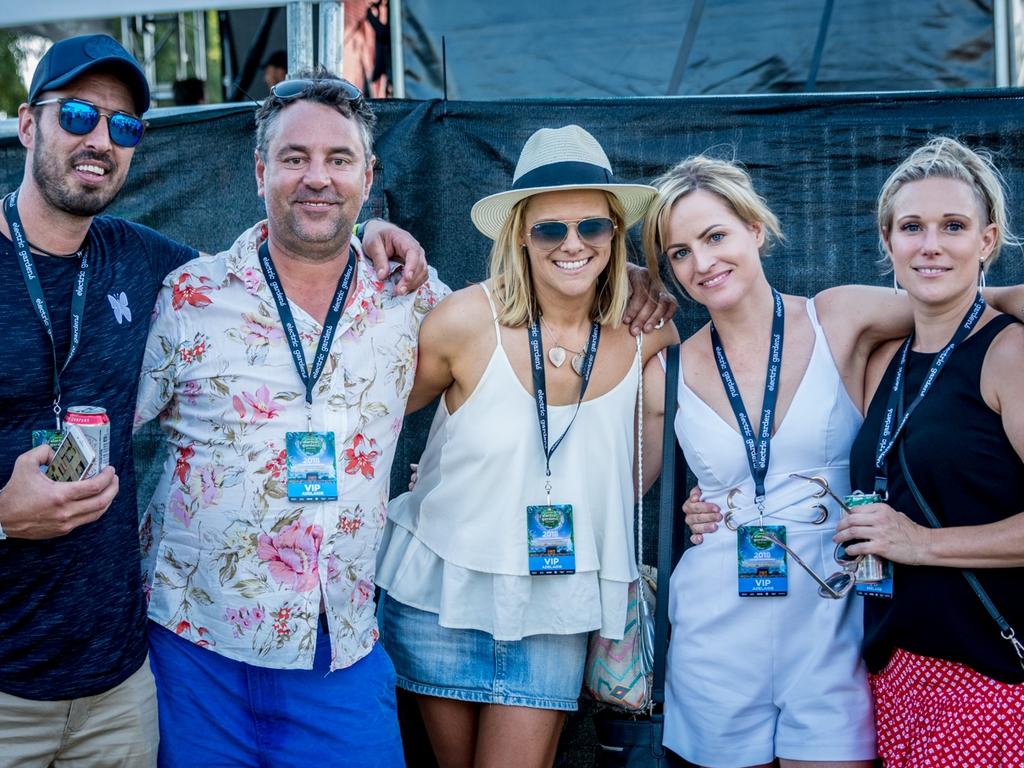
(967, 470)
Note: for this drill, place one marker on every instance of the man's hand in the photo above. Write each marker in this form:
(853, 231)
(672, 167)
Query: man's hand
(701, 516)
(649, 307)
(32, 506)
(383, 242)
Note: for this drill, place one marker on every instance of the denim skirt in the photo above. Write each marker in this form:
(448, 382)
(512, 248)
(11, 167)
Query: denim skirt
(541, 671)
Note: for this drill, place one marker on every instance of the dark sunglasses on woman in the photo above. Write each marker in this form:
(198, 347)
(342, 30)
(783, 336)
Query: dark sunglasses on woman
(80, 117)
(596, 232)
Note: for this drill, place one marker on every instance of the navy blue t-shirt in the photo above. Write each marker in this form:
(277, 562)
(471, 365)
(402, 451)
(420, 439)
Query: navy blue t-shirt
(72, 612)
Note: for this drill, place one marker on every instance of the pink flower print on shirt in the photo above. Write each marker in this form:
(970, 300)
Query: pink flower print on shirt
(362, 592)
(277, 464)
(211, 479)
(291, 555)
(180, 507)
(260, 330)
(261, 403)
(251, 279)
(184, 291)
(361, 459)
(281, 618)
(242, 619)
(193, 353)
(182, 469)
(263, 406)
(191, 390)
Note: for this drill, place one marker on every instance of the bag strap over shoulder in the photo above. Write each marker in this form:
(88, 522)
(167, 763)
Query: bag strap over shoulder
(1005, 630)
(666, 518)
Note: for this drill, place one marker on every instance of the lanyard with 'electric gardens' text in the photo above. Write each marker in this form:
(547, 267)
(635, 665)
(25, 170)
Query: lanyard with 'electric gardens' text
(888, 436)
(35, 292)
(540, 389)
(758, 448)
(311, 376)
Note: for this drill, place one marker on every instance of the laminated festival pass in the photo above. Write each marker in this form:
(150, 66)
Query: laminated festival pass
(761, 562)
(549, 536)
(312, 468)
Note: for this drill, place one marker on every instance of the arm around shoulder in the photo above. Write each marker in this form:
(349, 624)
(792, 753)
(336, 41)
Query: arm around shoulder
(858, 318)
(1002, 384)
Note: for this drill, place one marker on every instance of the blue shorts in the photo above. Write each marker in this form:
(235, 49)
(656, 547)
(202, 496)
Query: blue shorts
(540, 671)
(216, 711)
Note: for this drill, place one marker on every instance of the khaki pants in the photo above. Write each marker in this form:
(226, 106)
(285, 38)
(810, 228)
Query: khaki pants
(115, 729)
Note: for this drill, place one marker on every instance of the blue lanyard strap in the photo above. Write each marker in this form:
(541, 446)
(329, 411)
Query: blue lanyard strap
(759, 447)
(291, 331)
(540, 387)
(888, 435)
(35, 292)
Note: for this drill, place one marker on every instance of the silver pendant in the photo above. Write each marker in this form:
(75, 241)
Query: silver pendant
(557, 356)
(577, 363)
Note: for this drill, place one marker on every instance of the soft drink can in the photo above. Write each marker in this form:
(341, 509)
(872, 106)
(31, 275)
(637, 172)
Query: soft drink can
(95, 424)
(872, 568)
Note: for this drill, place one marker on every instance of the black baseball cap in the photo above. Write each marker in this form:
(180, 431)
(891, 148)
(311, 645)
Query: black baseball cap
(74, 56)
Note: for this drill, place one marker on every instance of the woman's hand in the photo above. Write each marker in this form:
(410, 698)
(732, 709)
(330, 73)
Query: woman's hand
(701, 516)
(879, 529)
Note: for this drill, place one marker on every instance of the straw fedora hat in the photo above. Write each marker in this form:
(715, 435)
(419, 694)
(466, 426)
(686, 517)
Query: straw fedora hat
(554, 159)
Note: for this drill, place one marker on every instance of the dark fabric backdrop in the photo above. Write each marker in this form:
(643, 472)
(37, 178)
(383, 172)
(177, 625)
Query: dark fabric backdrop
(818, 159)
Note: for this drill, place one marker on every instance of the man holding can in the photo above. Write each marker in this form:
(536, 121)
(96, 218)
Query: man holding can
(74, 685)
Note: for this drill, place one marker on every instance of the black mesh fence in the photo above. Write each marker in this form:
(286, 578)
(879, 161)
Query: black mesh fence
(818, 159)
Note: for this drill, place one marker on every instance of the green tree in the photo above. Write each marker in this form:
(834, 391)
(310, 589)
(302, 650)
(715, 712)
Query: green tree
(12, 89)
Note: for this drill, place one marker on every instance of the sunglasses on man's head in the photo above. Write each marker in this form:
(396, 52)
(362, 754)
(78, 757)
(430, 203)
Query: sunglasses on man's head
(288, 90)
(80, 117)
(596, 232)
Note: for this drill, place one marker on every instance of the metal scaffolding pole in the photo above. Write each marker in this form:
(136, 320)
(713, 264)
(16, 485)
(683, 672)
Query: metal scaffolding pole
(199, 45)
(331, 50)
(300, 36)
(1001, 32)
(397, 49)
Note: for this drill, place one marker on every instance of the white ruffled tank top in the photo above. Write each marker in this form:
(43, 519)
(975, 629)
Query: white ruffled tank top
(456, 545)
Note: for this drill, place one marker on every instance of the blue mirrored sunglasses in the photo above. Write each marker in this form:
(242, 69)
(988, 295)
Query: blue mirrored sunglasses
(80, 117)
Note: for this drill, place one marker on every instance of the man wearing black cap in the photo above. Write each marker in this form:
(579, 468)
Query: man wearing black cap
(74, 685)
(80, 287)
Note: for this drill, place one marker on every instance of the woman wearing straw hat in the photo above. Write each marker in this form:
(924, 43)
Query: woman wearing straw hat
(517, 540)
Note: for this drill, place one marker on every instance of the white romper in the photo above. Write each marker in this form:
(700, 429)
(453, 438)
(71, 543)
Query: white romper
(753, 678)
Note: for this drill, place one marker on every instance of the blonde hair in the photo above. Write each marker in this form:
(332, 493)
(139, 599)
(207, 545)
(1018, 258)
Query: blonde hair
(728, 180)
(512, 280)
(947, 158)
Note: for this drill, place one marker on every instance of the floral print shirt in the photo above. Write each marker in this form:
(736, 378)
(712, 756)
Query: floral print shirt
(230, 563)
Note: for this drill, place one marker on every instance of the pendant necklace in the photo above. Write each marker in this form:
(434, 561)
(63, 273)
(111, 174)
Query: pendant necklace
(557, 352)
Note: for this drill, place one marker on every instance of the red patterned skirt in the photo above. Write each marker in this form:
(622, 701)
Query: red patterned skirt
(933, 713)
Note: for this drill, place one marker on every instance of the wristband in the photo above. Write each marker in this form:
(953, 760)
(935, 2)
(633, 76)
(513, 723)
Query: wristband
(359, 229)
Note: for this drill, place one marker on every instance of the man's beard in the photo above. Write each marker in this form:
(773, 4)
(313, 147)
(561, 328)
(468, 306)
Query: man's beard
(310, 241)
(51, 179)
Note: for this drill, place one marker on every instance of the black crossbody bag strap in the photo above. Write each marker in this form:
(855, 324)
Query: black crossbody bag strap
(666, 518)
(1005, 630)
